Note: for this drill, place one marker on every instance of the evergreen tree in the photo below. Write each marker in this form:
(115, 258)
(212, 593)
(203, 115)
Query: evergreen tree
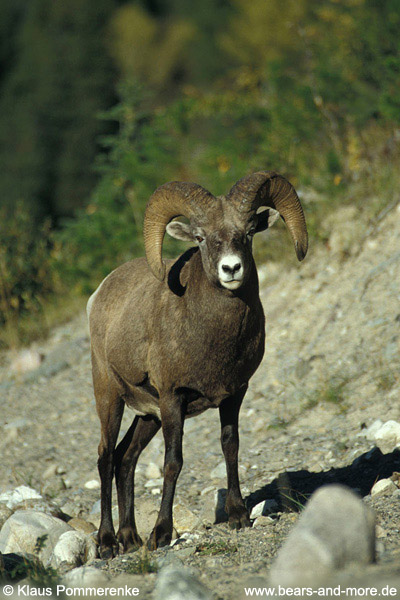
(48, 119)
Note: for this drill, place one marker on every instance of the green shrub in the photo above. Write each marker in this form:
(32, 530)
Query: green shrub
(26, 267)
(141, 156)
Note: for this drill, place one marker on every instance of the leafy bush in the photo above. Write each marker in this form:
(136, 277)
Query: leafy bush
(26, 266)
(312, 92)
(141, 156)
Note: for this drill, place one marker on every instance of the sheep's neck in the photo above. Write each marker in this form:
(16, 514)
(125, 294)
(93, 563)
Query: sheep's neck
(211, 302)
(196, 281)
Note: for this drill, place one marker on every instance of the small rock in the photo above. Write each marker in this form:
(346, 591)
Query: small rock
(179, 540)
(17, 424)
(264, 508)
(262, 521)
(174, 583)
(380, 532)
(72, 509)
(387, 437)
(219, 472)
(371, 431)
(184, 518)
(73, 548)
(383, 487)
(335, 530)
(50, 471)
(82, 525)
(27, 360)
(395, 477)
(316, 468)
(153, 471)
(21, 531)
(206, 490)
(19, 494)
(259, 425)
(154, 483)
(93, 484)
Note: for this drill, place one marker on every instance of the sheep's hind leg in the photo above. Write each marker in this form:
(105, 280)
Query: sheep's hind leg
(110, 409)
(173, 410)
(238, 515)
(127, 453)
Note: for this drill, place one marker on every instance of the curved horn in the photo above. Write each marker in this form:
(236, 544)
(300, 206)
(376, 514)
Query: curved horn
(170, 200)
(267, 188)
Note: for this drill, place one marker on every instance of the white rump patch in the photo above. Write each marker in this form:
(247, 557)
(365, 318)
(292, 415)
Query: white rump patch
(92, 297)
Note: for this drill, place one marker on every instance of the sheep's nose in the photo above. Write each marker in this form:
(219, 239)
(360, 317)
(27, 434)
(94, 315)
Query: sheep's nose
(231, 269)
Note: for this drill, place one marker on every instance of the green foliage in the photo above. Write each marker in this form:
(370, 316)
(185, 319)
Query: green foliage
(61, 77)
(141, 563)
(147, 50)
(142, 156)
(216, 548)
(386, 380)
(26, 260)
(29, 567)
(331, 391)
(293, 500)
(311, 91)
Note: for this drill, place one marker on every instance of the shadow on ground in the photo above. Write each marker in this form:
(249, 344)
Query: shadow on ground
(291, 490)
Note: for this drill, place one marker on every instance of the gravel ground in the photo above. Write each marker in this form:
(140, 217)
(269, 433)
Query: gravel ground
(331, 368)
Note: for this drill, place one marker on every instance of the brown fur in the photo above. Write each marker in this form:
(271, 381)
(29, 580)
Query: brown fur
(151, 341)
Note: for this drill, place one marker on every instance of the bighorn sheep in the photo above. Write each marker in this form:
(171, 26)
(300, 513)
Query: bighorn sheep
(173, 339)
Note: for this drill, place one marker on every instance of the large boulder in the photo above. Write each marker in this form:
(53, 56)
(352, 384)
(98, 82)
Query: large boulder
(335, 530)
(73, 549)
(175, 583)
(21, 531)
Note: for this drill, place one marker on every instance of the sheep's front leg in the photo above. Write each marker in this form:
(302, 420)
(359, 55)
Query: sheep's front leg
(142, 430)
(238, 515)
(173, 410)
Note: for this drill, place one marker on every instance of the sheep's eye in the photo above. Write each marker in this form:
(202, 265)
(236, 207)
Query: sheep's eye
(251, 232)
(199, 239)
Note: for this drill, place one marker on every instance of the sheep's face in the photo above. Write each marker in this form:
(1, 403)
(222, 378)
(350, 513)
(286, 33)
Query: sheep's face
(225, 241)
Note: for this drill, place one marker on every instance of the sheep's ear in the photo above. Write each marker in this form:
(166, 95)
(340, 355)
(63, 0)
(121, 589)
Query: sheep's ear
(180, 231)
(266, 219)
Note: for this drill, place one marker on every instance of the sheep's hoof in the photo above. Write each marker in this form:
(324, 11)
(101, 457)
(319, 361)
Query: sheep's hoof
(239, 518)
(158, 538)
(109, 547)
(129, 538)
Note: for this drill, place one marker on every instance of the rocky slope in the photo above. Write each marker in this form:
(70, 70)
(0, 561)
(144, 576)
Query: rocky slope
(330, 370)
